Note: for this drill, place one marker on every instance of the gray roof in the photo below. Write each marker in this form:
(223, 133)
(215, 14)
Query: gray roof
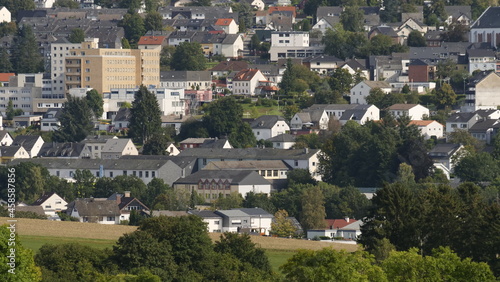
(97, 139)
(444, 150)
(385, 30)
(266, 121)
(284, 137)
(94, 207)
(485, 113)
(180, 161)
(57, 163)
(489, 19)
(35, 209)
(481, 53)
(236, 177)
(231, 213)
(27, 141)
(250, 153)
(185, 75)
(255, 212)
(3, 133)
(53, 113)
(9, 151)
(214, 143)
(483, 125)
(457, 11)
(325, 11)
(123, 114)
(323, 58)
(461, 117)
(67, 149)
(205, 214)
(115, 145)
(237, 165)
(332, 107)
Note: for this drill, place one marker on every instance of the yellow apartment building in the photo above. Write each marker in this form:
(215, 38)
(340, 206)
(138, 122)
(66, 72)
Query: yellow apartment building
(103, 69)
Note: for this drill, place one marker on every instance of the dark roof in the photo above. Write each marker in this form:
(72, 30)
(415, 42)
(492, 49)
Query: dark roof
(418, 62)
(205, 214)
(43, 198)
(184, 75)
(481, 53)
(94, 207)
(489, 19)
(9, 151)
(126, 201)
(485, 113)
(139, 164)
(214, 143)
(123, 114)
(245, 75)
(483, 125)
(68, 149)
(461, 117)
(35, 209)
(27, 141)
(230, 66)
(236, 177)
(53, 113)
(3, 133)
(444, 150)
(180, 161)
(250, 153)
(385, 30)
(255, 212)
(285, 137)
(266, 121)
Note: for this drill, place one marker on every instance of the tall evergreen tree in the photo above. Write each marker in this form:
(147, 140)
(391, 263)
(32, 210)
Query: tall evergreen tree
(77, 35)
(5, 64)
(26, 56)
(288, 77)
(76, 121)
(146, 116)
(95, 102)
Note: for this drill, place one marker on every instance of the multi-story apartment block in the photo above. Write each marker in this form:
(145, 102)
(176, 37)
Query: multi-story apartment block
(59, 50)
(104, 69)
(171, 100)
(292, 44)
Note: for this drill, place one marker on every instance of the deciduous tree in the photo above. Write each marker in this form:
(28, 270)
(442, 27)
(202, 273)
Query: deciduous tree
(95, 102)
(153, 21)
(77, 34)
(282, 226)
(416, 39)
(188, 56)
(352, 19)
(313, 208)
(18, 265)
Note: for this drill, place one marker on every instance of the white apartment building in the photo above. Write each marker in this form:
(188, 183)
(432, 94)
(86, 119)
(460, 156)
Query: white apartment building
(292, 44)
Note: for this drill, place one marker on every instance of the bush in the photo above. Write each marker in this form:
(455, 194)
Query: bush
(325, 238)
(316, 238)
(66, 217)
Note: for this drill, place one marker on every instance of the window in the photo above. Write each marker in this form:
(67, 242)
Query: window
(70, 174)
(140, 174)
(124, 172)
(275, 173)
(111, 218)
(134, 173)
(153, 174)
(110, 174)
(217, 222)
(147, 174)
(296, 163)
(96, 174)
(57, 173)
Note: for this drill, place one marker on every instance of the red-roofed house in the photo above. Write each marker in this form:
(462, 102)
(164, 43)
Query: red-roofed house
(429, 128)
(152, 42)
(246, 81)
(346, 228)
(4, 78)
(228, 25)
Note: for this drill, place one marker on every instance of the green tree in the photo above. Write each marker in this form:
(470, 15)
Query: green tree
(352, 19)
(14, 6)
(254, 42)
(233, 200)
(344, 44)
(84, 185)
(416, 39)
(153, 21)
(377, 98)
(222, 117)
(331, 265)
(76, 121)
(154, 188)
(134, 27)
(157, 145)
(188, 56)
(242, 247)
(289, 111)
(456, 32)
(95, 102)
(391, 13)
(11, 112)
(66, 4)
(145, 119)
(77, 34)
(282, 226)
(26, 57)
(445, 96)
(300, 176)
(23, 267)
(259, 200)
(341, 80)
(71, 262)
(462, 136)
(131, 5)
(5, 64)
(192, 128)
(242, 136)
(288, 77)
(313, 208)
(166, 57)
(200, 3)
(153, 5)
(125, 43)
(476, 167)
(380, 44)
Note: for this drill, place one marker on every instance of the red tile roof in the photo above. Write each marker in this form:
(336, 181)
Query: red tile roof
(338, 223)
(151, 40)
(223, 21)
(4, 77)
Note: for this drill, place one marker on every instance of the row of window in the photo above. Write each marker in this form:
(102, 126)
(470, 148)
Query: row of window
(139, 174)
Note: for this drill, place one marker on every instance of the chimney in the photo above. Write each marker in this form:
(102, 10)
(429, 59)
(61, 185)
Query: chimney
(306, 150)
(346, 218)
(118, 198)
(127, 194)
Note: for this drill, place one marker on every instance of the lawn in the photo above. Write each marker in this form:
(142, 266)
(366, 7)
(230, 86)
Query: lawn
(252, 111)
(35, 242)
(278, 257)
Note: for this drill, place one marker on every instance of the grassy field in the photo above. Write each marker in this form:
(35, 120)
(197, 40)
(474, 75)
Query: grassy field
(35, 233)
(248, 110)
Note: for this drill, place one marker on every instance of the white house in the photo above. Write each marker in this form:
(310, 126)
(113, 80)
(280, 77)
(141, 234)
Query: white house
(32, 143)
(228, 25)
(5, 138)
(482, 92)
(462, 121)
(9, 153)
(292, 44)
(429, 128)
(310, 119)
(444, 157)
(482, 60)
(413, 111)
(486, 28)
(95, 210)
(269, 126)
(231, 46)
(50, 120)
(5, 15)
(360, 114)
(283, 141)
(246, 81)
(361, 90)
(172, 150)
(51, 203)
(323, 25)
(213, 220)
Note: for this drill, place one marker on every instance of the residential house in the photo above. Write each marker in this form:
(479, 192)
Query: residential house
(95, 144)
(5, 138)
(175, 121)
(482, 92)
(282, 141)
(434, 38)
(444, 157)
(347, 228)
(360, 91)
(385, 30)
(360, 114)
(356, 67)
(153, 42)
(204, 142)
(38, 210)
(317, 119)
(486, 28)
(281, 21)
(186, 79)
(429, 128)
(172, 150)
(5, 15)
(210, 184)
(421, 71)
(32, 143)
(489, 114)
(485, 130)
(50, 120)
(116, 148)
(292, 44)
(122, 119)
(246, 81)
(228, 25)
(95, 210)
(274, 171)
(51, 204)
(390, 68)
(327, 17)
(323, 64)
(462, 121)
(332, 110)
(482, 60)
(295, 158)
(213, 220)
(458, 14)
(417, 14)
(268, 126)
(413, 111)
(225, 67)
(126, 204)
(246, 220)
(5, 78)
(408, 26)
(68, 150)
(325, 23)
(9, 153)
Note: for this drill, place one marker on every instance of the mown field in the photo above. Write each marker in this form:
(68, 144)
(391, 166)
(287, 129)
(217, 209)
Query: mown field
(35, 233)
